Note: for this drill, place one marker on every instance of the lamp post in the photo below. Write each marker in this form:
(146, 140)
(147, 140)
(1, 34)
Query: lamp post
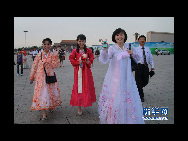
(25, 37)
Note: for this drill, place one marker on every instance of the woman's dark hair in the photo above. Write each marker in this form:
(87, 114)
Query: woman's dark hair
(117, 31)
(47, 39)
(142, 36)
(81, 37)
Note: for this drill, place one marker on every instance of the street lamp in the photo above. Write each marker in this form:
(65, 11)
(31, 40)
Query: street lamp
(25, 37)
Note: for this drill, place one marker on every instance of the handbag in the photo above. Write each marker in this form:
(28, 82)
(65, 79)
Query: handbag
(49, 79)
(151, 73)
(133, 62)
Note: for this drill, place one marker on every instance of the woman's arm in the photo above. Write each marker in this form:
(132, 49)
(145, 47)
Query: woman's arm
(35, 66)
(72, 59)
(90, 59)
(55, 60)
(106, 54)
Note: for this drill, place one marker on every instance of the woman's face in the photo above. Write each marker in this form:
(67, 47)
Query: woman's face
(120, 37)
(81, 43)
(46, 46)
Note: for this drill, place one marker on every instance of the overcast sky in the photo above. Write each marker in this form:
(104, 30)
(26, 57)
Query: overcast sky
(94, 28)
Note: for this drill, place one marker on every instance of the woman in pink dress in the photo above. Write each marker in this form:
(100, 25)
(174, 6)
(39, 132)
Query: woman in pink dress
(83, 92)
(46, 96)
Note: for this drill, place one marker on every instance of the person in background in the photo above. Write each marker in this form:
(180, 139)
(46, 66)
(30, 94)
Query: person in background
(144, 57)
(25, 63)
(54, 49)
(97, 53)
(156, 51)
(34, 53)
(61, 53)
(93, 53)
(19, 62)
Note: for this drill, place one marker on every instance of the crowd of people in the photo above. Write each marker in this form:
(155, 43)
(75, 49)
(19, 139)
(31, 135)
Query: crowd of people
(121, 98)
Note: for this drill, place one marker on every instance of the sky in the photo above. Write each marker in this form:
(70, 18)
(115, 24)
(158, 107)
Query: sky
(94, 28)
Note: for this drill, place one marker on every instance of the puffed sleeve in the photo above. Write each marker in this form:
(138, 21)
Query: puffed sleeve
(91, 58)
(34, 67)
(55, 61)
(72, 58)
(105, 55)
(135, 54)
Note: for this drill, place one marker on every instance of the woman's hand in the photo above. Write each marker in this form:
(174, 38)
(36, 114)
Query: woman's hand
(130, 52)
(43, 61)
(31, 81)
(87, 61)
(106, 43)
(80, 61)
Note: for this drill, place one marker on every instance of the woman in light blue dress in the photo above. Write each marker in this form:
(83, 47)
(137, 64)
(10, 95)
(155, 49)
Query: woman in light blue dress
(119, 101)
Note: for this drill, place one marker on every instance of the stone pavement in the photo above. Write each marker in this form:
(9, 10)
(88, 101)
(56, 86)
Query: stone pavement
(158, 93)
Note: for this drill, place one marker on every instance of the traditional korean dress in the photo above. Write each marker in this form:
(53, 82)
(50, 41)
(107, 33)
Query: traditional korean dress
(119, 101)
(83, 92)
(46, 96)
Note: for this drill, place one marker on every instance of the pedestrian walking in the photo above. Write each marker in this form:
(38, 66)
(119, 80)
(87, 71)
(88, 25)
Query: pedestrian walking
(83, 92)
(119, 101)
(97, 53)
(19, 62)
(46, 94)
(25, 63)
(144, 57)
(156, 51)
(93, 53)
(61, 54)
(54, 49)
(34, 53)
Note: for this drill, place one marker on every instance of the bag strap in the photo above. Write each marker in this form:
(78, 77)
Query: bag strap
(44, 67)
(130, 49)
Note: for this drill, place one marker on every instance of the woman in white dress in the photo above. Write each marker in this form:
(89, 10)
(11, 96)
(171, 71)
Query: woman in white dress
(119, 101)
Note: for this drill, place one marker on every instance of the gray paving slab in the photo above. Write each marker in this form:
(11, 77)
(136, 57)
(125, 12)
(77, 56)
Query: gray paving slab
(158, 93)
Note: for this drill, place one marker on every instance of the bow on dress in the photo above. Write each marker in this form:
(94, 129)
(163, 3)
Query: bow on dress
(83, 58)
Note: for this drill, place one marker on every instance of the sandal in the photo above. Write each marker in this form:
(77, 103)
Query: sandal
(44, 118)
(80, 113)
(50, 111)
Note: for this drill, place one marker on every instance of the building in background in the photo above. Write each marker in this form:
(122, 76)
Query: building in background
(159, 37)
(66, 44)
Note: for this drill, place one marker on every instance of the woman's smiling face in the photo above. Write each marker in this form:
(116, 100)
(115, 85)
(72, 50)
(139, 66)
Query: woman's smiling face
(120, 37)
(46, 46)
(81, 43)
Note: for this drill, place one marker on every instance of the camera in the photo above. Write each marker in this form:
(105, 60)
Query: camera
(104, 44)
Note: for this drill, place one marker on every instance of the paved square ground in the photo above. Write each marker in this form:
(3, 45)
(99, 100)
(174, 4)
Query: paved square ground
(158, 93)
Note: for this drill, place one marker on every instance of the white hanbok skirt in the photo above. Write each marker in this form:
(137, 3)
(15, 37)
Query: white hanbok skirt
(119, 101)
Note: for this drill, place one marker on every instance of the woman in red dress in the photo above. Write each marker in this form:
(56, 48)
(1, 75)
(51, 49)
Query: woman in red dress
(83, 92)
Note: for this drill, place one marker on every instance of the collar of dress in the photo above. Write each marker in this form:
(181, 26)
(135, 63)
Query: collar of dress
(46, 55)
(117, 46)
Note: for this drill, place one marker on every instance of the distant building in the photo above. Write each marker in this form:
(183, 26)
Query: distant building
(67, 44)
(159, 37)
(56, 45)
